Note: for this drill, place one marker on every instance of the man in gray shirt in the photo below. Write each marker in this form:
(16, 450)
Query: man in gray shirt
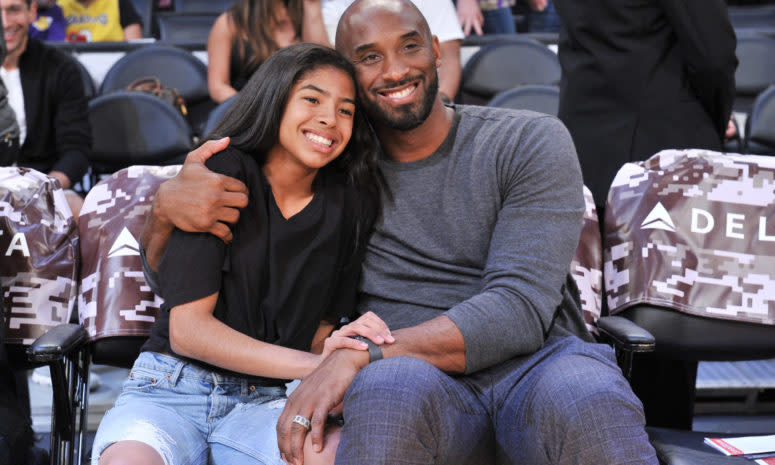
(467, 264)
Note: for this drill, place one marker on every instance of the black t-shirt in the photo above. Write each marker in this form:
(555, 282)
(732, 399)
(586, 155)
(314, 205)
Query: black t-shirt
(279, 277)
(239, 70)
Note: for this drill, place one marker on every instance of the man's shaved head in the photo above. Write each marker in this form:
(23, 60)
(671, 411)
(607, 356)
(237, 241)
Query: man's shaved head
(395, 58)
(359, 13)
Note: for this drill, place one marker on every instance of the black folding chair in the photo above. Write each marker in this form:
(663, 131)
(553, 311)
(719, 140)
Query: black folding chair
(760, 135)
(540, 98)
(507, 64)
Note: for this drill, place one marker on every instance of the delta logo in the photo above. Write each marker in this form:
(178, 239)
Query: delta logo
(703, 222)
(125, 245)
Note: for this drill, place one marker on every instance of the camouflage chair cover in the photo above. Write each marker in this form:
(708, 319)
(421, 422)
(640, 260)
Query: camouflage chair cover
(587, 264)
(114, 299)
(38, 254)
(694, 231)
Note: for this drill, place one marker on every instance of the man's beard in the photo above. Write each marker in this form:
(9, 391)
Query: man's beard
(403, 118)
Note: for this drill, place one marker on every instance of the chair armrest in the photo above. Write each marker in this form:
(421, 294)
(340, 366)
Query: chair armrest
(57, 342)
(625, 335)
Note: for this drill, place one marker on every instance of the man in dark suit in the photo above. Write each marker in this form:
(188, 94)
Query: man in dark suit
(640, 76)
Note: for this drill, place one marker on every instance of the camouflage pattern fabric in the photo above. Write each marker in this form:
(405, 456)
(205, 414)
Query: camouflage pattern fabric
(38, 254)
(694, 231)
(587, 264)
(114, 299)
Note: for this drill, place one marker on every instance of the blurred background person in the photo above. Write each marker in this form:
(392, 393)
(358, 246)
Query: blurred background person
(101, 20)
(46, 93)
(50, 24)
(541, 16)
(486, 16)
(246, 34)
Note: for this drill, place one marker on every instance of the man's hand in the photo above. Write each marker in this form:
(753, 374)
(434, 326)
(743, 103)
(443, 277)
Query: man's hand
(198, 200)
(470, 16)
(317, 395)
(731, 130)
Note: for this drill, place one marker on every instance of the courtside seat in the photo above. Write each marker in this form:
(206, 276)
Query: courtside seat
(116, 306)
(38, 271)
(689, 257)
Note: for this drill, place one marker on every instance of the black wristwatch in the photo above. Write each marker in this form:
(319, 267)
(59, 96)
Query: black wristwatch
(375, 351)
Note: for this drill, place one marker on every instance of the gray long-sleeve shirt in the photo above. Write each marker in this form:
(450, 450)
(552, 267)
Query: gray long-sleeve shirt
(483, 230)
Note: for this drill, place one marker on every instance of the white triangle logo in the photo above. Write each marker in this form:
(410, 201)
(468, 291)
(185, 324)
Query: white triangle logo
(658, 218)
(125, 245)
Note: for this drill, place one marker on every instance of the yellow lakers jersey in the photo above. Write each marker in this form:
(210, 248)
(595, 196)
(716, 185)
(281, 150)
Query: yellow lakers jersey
(97, 22)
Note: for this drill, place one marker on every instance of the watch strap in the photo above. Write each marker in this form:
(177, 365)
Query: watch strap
(375, 351)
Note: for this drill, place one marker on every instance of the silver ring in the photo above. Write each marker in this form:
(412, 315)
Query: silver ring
(303, 421)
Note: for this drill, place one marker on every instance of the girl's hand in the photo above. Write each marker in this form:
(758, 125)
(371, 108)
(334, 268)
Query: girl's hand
(368, 325)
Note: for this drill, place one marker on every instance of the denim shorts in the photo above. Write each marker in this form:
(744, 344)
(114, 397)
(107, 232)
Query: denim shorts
(191, 415)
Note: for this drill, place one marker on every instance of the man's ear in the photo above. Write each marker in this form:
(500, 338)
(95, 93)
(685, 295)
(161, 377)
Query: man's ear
(437, 51)
(33, 10)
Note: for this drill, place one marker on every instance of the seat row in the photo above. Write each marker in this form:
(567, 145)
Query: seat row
(687, 254)
(187, 21)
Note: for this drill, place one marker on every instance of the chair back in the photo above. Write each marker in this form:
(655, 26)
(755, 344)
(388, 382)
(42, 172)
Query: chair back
(132, 128)
(202, 6)
(756, 69)
(38, 254)
(503, 65)
(89, 88)
(586, 268)
(760, 136)
(114, 299)
(217, 115)
(693, 231)
(752, 17)
(533, 97)
(178, 28)
(173, 66)
(689, 253)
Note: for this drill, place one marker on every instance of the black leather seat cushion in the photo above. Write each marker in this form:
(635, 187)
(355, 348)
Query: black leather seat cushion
(676, 447)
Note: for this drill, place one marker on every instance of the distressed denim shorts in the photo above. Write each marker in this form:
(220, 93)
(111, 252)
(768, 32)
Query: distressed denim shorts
(191, 415)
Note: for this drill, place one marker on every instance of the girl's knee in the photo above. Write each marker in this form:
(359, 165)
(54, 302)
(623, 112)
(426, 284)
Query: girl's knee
(130, 453)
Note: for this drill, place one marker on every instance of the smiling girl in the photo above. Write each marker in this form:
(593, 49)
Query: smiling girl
(240, 320)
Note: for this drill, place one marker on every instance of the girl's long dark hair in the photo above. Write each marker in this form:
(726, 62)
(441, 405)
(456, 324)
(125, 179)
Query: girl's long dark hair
(253, 123)
(253, 22)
